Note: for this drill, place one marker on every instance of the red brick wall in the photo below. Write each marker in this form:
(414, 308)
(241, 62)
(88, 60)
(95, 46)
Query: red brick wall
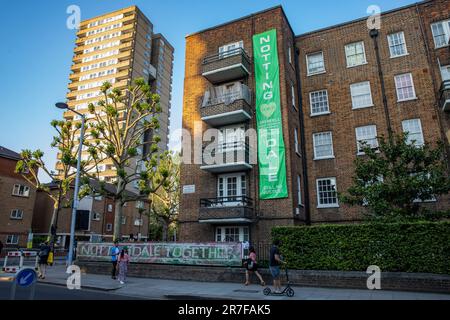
(8, 202)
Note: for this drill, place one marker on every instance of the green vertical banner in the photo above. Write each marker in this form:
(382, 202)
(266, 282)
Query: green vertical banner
(271, 149)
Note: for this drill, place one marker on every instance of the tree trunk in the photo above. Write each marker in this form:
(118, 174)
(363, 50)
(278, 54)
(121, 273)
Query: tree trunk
(52, 221)
(165, 229)
(117, 219)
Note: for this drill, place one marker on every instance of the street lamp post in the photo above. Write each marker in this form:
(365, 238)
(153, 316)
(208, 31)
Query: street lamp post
(77, 182)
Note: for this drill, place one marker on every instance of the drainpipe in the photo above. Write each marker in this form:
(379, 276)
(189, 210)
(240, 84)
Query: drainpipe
(302, 138)
(374, 33)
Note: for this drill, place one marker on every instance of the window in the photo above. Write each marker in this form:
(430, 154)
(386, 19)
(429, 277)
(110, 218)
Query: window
(109, 227)
(299, 190)
(138, 222)
(323, 145)
(293, 96)
(139, 205)
(232, 234)
(315, 63)
(405, 87)
(16, 214)
(361, 95)
(445, 72)
(21, 190)
(110, 207)
(366, 136)
(414, 129)
(327, 193)
(355, 54)
(441, 33)
(290, 54)
(296, 140)
(230, 49)
(12, 239)
(397, 44)
(96, 216)
(124, 220)
(319, 102)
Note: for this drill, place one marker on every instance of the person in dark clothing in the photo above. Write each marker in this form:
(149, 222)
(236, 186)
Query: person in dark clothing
(274, 266)
(114, 257)
(43, 258)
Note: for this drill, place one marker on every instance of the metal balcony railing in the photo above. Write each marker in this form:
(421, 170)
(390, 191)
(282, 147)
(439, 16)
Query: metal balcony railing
(226, 54)
(233, 201)
(241, 92)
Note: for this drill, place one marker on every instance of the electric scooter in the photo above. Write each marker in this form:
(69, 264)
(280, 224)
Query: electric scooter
(288, 291)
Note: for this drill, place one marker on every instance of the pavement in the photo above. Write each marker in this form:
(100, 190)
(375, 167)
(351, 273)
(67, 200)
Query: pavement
(154, 289)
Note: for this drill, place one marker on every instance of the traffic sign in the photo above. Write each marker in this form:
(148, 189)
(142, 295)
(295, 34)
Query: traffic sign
(26, 277)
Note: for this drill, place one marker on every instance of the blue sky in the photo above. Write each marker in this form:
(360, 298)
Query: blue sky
(37, 47)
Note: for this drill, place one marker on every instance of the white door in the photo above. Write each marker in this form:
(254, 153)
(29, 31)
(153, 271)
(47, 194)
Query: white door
(231, 189)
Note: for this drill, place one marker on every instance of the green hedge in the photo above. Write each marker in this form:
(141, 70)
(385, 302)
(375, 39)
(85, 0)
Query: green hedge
(422, 247)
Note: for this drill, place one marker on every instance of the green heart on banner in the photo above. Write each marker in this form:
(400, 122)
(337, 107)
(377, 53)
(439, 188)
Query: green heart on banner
(268, 109)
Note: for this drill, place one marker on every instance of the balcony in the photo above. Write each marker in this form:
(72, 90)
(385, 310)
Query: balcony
(224, 158)
(444, 100)
(220, 109)
(226, 66)
(236, 210)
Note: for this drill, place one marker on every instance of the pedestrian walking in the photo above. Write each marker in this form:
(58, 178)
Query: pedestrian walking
(252, 267)
(124, 260)
(274, 266)
(44, 252)
(114, 256)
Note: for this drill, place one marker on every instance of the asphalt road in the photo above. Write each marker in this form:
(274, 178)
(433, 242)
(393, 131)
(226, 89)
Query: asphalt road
(51, 292)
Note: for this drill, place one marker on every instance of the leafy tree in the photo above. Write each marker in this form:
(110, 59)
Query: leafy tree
(32, 163)
(393, 180)
(121, 125)
(165, 202)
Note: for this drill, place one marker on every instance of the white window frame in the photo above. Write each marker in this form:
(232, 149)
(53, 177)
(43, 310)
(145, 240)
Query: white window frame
(110, 208)
(446, 28)
(419, 122)
(324, 206)
(346, 48)
(294, 104)
(309, 73)
(13, 236)
(445, 72)
(358, 139)
(244, 233)
(109, 227)
(290, 54)
(14, 215)
(414, 97)
(296, 145)
(352, 88)
(299, 190)
(123, 220)
(313, 114)
(391, 44)
(330, 133)
(25, 191)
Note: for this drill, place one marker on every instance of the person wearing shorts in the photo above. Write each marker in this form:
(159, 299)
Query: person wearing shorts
(274, 266)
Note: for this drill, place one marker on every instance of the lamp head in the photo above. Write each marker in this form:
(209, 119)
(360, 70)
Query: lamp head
(62, 105)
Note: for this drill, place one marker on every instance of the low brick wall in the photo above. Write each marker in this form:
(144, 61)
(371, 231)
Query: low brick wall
(325, 279)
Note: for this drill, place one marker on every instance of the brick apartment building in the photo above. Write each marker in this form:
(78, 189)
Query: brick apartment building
(94, 221)
(17, 199)
(338, 86)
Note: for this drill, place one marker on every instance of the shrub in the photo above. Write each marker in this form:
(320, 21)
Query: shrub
(419, 247)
